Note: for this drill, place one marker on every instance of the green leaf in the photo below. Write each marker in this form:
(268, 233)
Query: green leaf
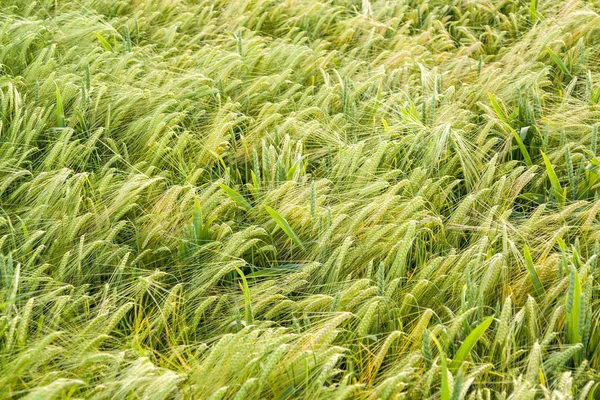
(236, 196)
(60, 111)
(558, 62)
(498, 108)
(596, 97)
(292, 171)
(503, 116)
(103, 42)
(468, 344)
(445, 392)
(283, 224)
(521, 145)
(559, 193)
(533, 13)
(386, 127)
(533, 275)
(201, 228)
(247, 304)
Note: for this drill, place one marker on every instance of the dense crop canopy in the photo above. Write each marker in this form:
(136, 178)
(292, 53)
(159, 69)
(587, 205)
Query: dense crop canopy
(286, 199)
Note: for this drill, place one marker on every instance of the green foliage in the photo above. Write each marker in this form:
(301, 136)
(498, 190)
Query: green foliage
(235, 196)
(533, 275)
(559, 63)
(559, 192)
(283, 224)
(60, 111)
(469, 343)
(247, 301)
(103, 42)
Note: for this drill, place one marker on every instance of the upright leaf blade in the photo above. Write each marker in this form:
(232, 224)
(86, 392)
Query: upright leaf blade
(533, 13)
(559, 193)
(498, 108)
(504, 117)
(283, 224)
(468, 344)
(557, 60)
(103, 42)
(521, 145)
(60, 111)
(533, 275)
(247, 304)
(445, 392)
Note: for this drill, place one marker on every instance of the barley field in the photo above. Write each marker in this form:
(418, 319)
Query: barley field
(299, 199)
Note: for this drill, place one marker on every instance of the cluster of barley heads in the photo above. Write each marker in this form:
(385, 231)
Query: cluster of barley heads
(286, 199)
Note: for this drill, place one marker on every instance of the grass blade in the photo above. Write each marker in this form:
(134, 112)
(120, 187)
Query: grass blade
(521, 145)
(103, 42)
(533, 275)
(468, 344)
(559, 193)
(60, 111)
(247, 303)
(498, 108)
(533, 13)
(283, 224)
(236, 196)
(445, 392)
(557, 60)
(503, 116)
